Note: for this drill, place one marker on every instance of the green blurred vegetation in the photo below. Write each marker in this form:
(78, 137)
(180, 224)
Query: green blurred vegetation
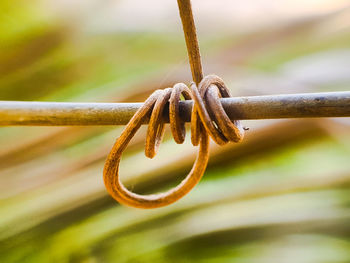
(280, 196)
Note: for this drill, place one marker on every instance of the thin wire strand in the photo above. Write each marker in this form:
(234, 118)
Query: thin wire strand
(189, 28)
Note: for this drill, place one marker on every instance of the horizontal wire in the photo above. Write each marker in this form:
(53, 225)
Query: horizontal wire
(307, 105)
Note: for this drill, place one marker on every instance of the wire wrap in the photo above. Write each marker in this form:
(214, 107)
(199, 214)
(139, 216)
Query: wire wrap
(208, 118)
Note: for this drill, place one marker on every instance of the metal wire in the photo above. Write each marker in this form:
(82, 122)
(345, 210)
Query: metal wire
(308, 105)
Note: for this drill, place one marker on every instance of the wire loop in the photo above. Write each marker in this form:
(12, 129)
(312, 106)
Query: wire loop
(211, 112)
(208, 116)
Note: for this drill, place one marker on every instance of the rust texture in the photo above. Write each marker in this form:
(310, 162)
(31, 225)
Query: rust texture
(209, 108)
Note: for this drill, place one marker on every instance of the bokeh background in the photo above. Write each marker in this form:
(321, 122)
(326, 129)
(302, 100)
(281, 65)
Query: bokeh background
(282, 195)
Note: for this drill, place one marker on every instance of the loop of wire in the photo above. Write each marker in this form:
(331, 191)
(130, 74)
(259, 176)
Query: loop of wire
(208, 118)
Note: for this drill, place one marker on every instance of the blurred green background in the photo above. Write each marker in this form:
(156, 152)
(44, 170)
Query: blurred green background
(280, 196)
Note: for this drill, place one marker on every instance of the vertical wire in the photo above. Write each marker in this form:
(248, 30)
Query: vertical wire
(189, 29)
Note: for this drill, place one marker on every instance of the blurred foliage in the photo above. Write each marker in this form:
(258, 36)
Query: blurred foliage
(280, 196)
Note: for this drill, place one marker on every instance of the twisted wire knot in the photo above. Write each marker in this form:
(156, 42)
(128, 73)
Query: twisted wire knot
(208, 118)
